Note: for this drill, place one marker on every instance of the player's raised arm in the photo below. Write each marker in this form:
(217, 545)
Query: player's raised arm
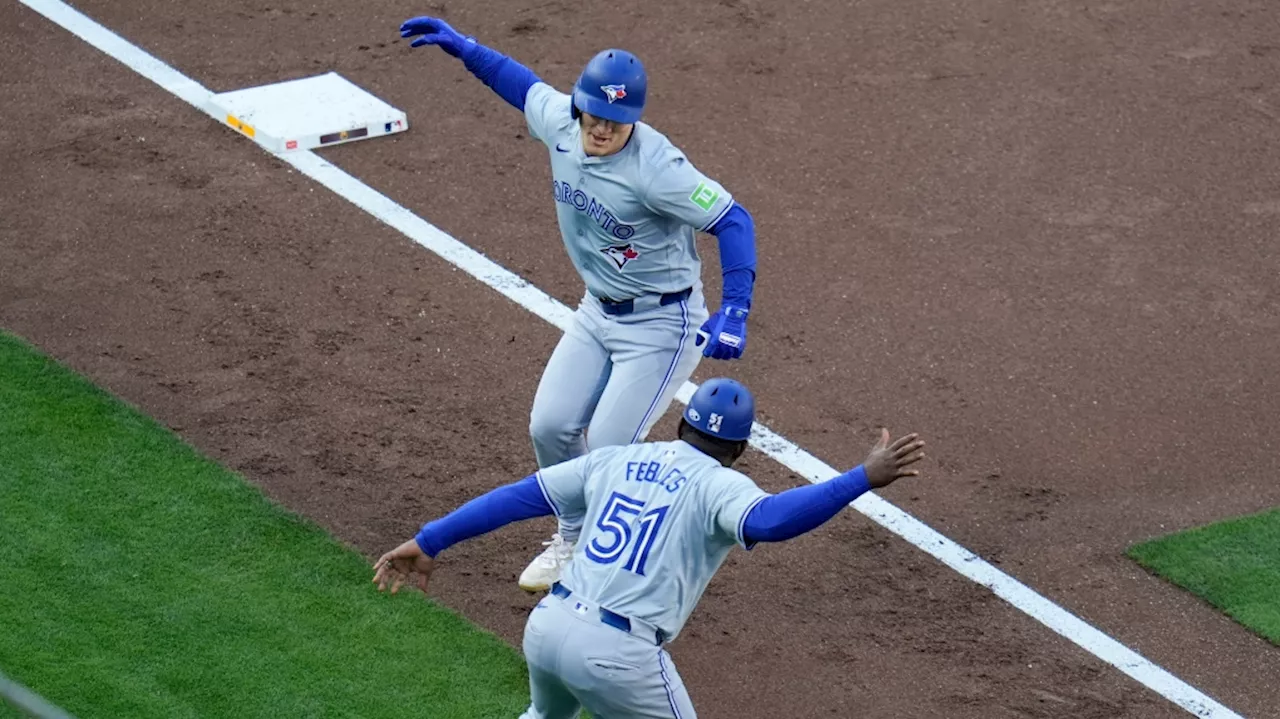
(789, 514)
(503, 75)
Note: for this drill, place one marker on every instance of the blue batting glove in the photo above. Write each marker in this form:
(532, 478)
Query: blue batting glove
(725, 333)
(435, 31)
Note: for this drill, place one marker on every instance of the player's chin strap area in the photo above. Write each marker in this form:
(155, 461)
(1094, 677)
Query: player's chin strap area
(635, 628)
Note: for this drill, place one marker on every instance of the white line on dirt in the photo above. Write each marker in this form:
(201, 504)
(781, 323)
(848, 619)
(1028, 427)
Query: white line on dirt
(548, 308)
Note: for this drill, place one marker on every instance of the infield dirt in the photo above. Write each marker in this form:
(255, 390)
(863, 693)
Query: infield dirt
(1040, 234)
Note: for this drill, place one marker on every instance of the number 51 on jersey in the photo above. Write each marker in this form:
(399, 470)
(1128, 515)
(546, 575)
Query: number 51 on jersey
(617, 533)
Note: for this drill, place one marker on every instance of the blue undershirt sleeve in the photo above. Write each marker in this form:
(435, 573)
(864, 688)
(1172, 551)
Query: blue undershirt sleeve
(789, 514)
(736, 233)
(504, 505)
(505, 76)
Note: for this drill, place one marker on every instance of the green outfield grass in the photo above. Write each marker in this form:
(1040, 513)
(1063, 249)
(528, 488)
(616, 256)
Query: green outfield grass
(139, 579)
(1234, 565)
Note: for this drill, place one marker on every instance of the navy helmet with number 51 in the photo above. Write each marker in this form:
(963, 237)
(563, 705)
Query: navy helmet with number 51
(722, 408)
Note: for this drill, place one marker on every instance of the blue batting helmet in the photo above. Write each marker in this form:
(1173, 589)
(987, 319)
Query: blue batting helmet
(612, 86)
(722, 408)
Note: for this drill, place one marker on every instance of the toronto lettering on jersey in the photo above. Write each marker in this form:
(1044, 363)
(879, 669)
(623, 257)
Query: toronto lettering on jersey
(670, 480)
(588, 205)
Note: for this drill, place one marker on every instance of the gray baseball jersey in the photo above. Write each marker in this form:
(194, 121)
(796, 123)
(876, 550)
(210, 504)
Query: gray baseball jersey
(657, 519)
(628, 220)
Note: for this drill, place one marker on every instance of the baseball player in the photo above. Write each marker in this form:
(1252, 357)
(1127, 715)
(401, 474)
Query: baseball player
(657, 521)
(628, 204)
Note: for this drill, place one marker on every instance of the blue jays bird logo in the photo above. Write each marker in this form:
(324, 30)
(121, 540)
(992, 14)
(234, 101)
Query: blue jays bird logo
(614, 92)
(621, 254)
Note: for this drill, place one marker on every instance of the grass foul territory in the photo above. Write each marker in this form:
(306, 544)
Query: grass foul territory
(139, 579)
(1234, 565)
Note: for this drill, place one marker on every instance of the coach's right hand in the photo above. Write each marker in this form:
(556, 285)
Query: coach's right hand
(888, 463)
(435, 31)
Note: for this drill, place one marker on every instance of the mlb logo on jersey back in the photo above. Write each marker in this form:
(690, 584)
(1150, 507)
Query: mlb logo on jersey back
(621, 254)
(614, 92)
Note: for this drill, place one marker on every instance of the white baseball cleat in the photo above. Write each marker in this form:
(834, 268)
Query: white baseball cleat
(545, 569)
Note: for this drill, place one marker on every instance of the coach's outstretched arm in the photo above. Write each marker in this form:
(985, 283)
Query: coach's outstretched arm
(506, 504)
(505, 76)
(789, 514)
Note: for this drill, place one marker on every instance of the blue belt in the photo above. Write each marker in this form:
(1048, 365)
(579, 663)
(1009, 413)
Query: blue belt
(613, 619)
(626, 307)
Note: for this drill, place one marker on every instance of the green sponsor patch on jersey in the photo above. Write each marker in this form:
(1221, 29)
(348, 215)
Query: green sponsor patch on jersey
(704, 197)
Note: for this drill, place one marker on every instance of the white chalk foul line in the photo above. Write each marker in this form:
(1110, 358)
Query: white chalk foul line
(548, 308)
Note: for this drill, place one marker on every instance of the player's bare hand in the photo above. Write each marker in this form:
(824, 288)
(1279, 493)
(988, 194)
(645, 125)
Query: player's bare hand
(402, 563)
(888, 463)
